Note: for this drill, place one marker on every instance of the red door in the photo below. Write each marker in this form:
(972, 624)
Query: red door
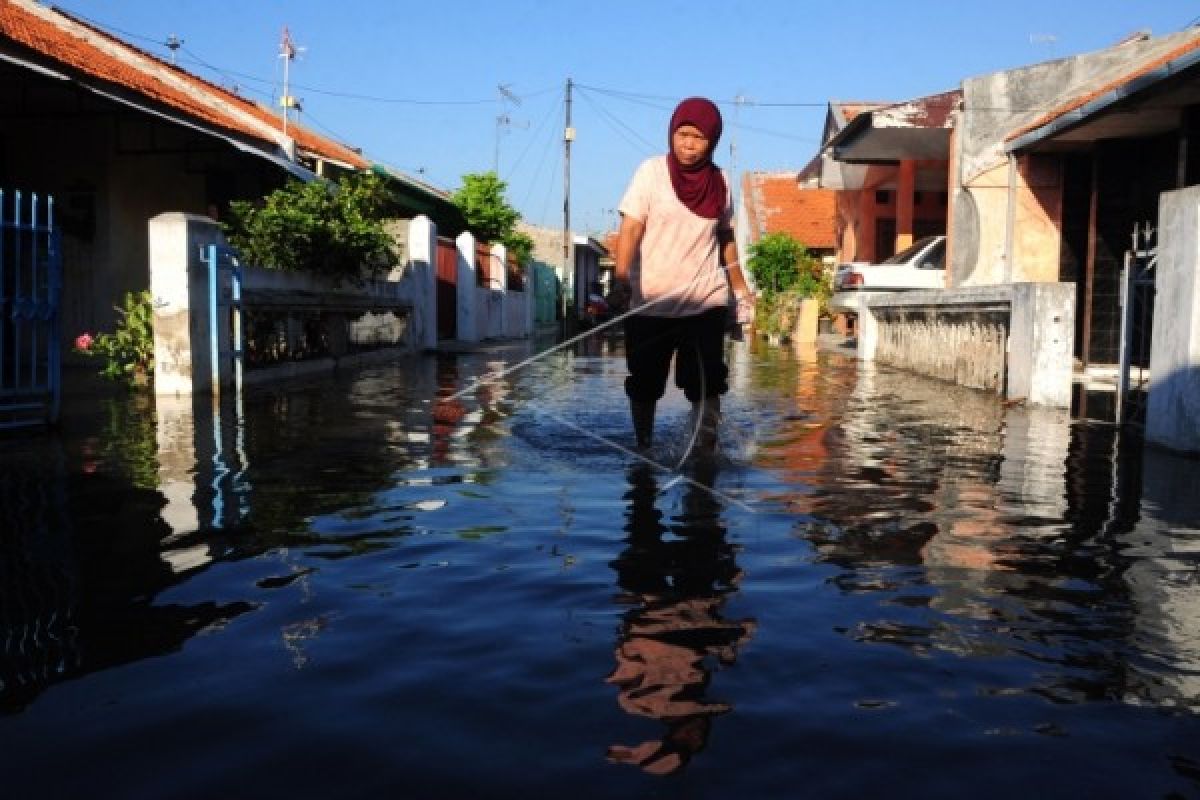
(447, 289)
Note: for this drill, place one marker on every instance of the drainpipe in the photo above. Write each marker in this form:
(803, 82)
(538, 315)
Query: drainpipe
(1011, 219)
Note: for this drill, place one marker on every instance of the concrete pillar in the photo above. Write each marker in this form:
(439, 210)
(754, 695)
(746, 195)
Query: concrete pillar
(422, 255)
(467, 305)
(179, 284)
(867, 334)
(1173, 408)
(805, 329)
(500, 284)
(1041, 338)
(906, 186)
(531, 278)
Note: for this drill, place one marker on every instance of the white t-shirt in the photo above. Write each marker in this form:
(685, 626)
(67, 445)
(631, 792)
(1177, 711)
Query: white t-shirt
(676, 271)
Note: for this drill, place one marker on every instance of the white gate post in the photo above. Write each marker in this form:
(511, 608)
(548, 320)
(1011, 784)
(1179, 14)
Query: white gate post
(468, 293)
(179, 286)
(422, 254)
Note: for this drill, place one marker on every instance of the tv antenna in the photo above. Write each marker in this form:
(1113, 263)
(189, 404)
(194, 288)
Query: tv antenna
(173, 44)
(503, 120)
(288, 50)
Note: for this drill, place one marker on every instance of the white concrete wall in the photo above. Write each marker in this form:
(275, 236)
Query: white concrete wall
(1041, 323)
(1173, 408)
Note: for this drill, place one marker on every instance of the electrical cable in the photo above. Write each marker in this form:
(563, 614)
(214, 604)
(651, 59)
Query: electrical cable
(617, 125)
(536, 133)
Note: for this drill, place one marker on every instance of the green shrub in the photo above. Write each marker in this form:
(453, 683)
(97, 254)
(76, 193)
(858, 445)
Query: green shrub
(128, 352)
(332, 230)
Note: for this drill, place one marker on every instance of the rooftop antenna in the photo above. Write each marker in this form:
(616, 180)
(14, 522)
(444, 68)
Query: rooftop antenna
(503, 120)
(288, 52)
(1047, 39)
(173, 44)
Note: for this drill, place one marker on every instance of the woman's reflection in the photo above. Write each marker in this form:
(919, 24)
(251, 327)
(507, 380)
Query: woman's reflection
(674, 636)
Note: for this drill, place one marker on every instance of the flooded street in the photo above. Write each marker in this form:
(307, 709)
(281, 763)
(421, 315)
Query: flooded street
(884, 586)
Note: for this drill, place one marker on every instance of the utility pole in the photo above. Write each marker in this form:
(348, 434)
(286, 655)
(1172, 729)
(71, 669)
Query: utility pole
(738, 102)
(568, 137)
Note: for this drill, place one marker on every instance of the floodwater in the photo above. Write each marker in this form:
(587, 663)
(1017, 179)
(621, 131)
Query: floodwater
(884, 586)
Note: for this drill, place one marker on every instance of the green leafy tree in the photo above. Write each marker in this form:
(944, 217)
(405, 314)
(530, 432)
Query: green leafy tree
(333, 230)
(520, 246)
(490, 217)
(482, 203)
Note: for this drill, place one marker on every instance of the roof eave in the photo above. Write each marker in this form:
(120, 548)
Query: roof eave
(278, 158)
(1097, 105)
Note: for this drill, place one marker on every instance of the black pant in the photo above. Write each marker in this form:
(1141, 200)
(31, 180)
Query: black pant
(698, 344)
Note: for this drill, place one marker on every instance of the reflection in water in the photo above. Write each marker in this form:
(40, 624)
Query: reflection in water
(676, 577)
(1163, 581)
(79, 567)
(997, 583)
(38, 580)
(990, 531)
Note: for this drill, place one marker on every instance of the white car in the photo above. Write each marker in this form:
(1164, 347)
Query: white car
(921, 266)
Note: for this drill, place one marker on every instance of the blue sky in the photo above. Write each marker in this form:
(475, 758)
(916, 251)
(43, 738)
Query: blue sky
(632, 60)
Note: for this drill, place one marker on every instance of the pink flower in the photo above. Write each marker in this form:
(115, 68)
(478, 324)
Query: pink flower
(83, 342)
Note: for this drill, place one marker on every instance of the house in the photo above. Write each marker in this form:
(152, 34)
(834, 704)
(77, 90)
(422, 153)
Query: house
(576, 261)
(1055, 173)
(1058, 161)
(780, 203)
(888, 163)
(117, 136)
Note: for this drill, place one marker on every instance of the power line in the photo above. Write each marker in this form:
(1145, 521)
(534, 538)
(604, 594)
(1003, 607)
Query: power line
(536, 133)
(617, 125)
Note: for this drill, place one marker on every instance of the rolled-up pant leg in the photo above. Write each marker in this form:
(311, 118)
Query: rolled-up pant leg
(700, 363)
(649, 345)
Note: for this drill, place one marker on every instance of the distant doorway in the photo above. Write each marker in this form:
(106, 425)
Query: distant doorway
(885, 239)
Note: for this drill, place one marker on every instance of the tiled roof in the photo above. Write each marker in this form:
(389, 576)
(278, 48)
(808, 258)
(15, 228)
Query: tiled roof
(1120, 81)
(776, 203)
(61, 40)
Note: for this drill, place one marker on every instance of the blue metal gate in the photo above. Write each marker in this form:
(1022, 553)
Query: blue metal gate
(30, 289)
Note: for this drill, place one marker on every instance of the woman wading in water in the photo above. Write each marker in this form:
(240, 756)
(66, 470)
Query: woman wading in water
(677, 253)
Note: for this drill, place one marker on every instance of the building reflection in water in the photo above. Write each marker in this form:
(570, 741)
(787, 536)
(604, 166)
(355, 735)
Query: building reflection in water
(675, 576)
(1014, 529)
(1163, 580)
(81, 565)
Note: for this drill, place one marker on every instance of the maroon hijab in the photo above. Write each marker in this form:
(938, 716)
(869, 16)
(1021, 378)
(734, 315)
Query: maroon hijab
(700, 187)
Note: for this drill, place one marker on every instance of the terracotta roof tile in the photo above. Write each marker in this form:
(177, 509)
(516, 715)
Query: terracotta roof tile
(84, 50)
(776, 203)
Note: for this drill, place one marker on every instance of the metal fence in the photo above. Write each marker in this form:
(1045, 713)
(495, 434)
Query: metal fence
(30, 293)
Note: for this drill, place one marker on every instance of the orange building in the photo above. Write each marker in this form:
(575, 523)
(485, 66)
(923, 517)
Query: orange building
(888, 164)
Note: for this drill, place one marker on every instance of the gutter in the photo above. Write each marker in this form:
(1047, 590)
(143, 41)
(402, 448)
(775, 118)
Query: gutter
(1077, 116)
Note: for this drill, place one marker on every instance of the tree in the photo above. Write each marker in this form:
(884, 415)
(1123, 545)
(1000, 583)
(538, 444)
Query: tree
(489, 216)
(481, 200)
(334, 230)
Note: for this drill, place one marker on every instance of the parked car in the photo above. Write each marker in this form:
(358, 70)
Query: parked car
(921, 266)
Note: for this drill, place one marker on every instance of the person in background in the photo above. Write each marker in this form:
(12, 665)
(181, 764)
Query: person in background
(676, 252)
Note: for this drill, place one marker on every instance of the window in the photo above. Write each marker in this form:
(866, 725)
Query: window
(882, 197)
